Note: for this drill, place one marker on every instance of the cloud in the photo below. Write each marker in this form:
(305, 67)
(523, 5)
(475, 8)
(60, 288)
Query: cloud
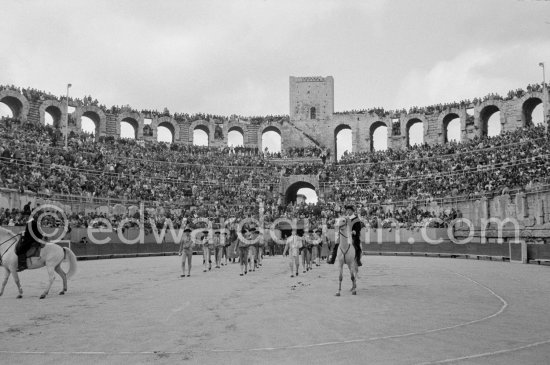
(474, 73)
(226, 57)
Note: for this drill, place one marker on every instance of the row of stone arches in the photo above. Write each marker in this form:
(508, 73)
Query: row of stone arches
(268, 137)
(452, 126)
(343, 138)
(488, 120)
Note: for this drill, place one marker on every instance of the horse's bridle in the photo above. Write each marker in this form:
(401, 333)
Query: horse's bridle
(344, 253)
(340, 246)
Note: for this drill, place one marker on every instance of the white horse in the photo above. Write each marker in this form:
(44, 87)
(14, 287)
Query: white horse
(51, 256)
(346, 254)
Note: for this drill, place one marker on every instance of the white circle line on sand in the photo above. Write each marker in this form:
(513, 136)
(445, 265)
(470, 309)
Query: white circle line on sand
(389, 337)
(487, 354)
(292, 347)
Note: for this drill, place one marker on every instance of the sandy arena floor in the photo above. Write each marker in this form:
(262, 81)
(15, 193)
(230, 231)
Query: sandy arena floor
(408, 310)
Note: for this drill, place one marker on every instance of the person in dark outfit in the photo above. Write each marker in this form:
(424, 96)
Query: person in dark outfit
(355, 233)
(31, 235)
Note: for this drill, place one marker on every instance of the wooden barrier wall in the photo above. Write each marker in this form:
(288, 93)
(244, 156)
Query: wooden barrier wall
(374, 242)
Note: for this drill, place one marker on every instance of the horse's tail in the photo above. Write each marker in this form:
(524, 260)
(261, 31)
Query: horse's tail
(72, 261)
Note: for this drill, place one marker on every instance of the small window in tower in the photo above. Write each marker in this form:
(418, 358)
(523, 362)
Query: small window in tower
(312, 113)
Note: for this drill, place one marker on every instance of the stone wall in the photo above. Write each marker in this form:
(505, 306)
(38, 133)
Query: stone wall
(307, 93)
(300, 129)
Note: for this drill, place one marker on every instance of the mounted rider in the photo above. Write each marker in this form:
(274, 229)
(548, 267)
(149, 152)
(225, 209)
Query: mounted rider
(352, 221)
(33, 235)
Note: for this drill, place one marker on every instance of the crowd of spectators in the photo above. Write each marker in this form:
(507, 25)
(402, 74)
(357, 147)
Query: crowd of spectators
(192, 182)
(309, 151)
(488, 166)
(232, 181)
(126, 170)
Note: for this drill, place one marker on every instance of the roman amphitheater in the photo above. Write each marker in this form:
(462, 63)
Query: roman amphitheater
(448, 223)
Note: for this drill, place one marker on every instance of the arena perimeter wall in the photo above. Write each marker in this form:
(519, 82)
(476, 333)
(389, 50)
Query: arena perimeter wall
(374, 242)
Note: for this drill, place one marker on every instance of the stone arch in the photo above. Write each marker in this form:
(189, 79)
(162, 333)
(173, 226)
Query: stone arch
(238, 128)
(486, 110)
(167, 122)
(528, 103)
(268, 128)
(292, 190)
(96, 114)
(337, 130)
(57, 109)
(135, 119)
(202, 125)
(447, 118)
(18, 104)
(412, 120)
(374, 126)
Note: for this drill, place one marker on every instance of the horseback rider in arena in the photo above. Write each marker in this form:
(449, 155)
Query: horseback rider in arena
(353, 220)
(32, 235)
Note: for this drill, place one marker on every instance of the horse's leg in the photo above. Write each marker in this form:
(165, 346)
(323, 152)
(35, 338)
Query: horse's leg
(353, 273)
(6, 277)
(18, 283)
(61, 273)
(340, 278)
(51, 274)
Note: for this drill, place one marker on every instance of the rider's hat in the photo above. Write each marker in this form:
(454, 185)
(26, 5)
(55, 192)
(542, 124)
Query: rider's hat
(217, 232)
(349, 206)
(187, 229)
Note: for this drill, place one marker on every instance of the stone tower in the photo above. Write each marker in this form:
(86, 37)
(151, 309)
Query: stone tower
(311, 98)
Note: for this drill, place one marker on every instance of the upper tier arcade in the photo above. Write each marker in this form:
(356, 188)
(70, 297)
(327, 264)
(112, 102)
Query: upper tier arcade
(311, 121)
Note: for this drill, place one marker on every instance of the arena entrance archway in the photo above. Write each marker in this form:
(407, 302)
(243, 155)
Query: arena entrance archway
(307, 195)
(292, 191)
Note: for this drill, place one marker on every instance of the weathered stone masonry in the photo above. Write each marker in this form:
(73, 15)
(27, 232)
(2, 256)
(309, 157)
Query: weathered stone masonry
(311, 121)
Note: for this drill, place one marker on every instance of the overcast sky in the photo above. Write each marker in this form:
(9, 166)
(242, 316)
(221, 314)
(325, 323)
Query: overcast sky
(235, 57)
